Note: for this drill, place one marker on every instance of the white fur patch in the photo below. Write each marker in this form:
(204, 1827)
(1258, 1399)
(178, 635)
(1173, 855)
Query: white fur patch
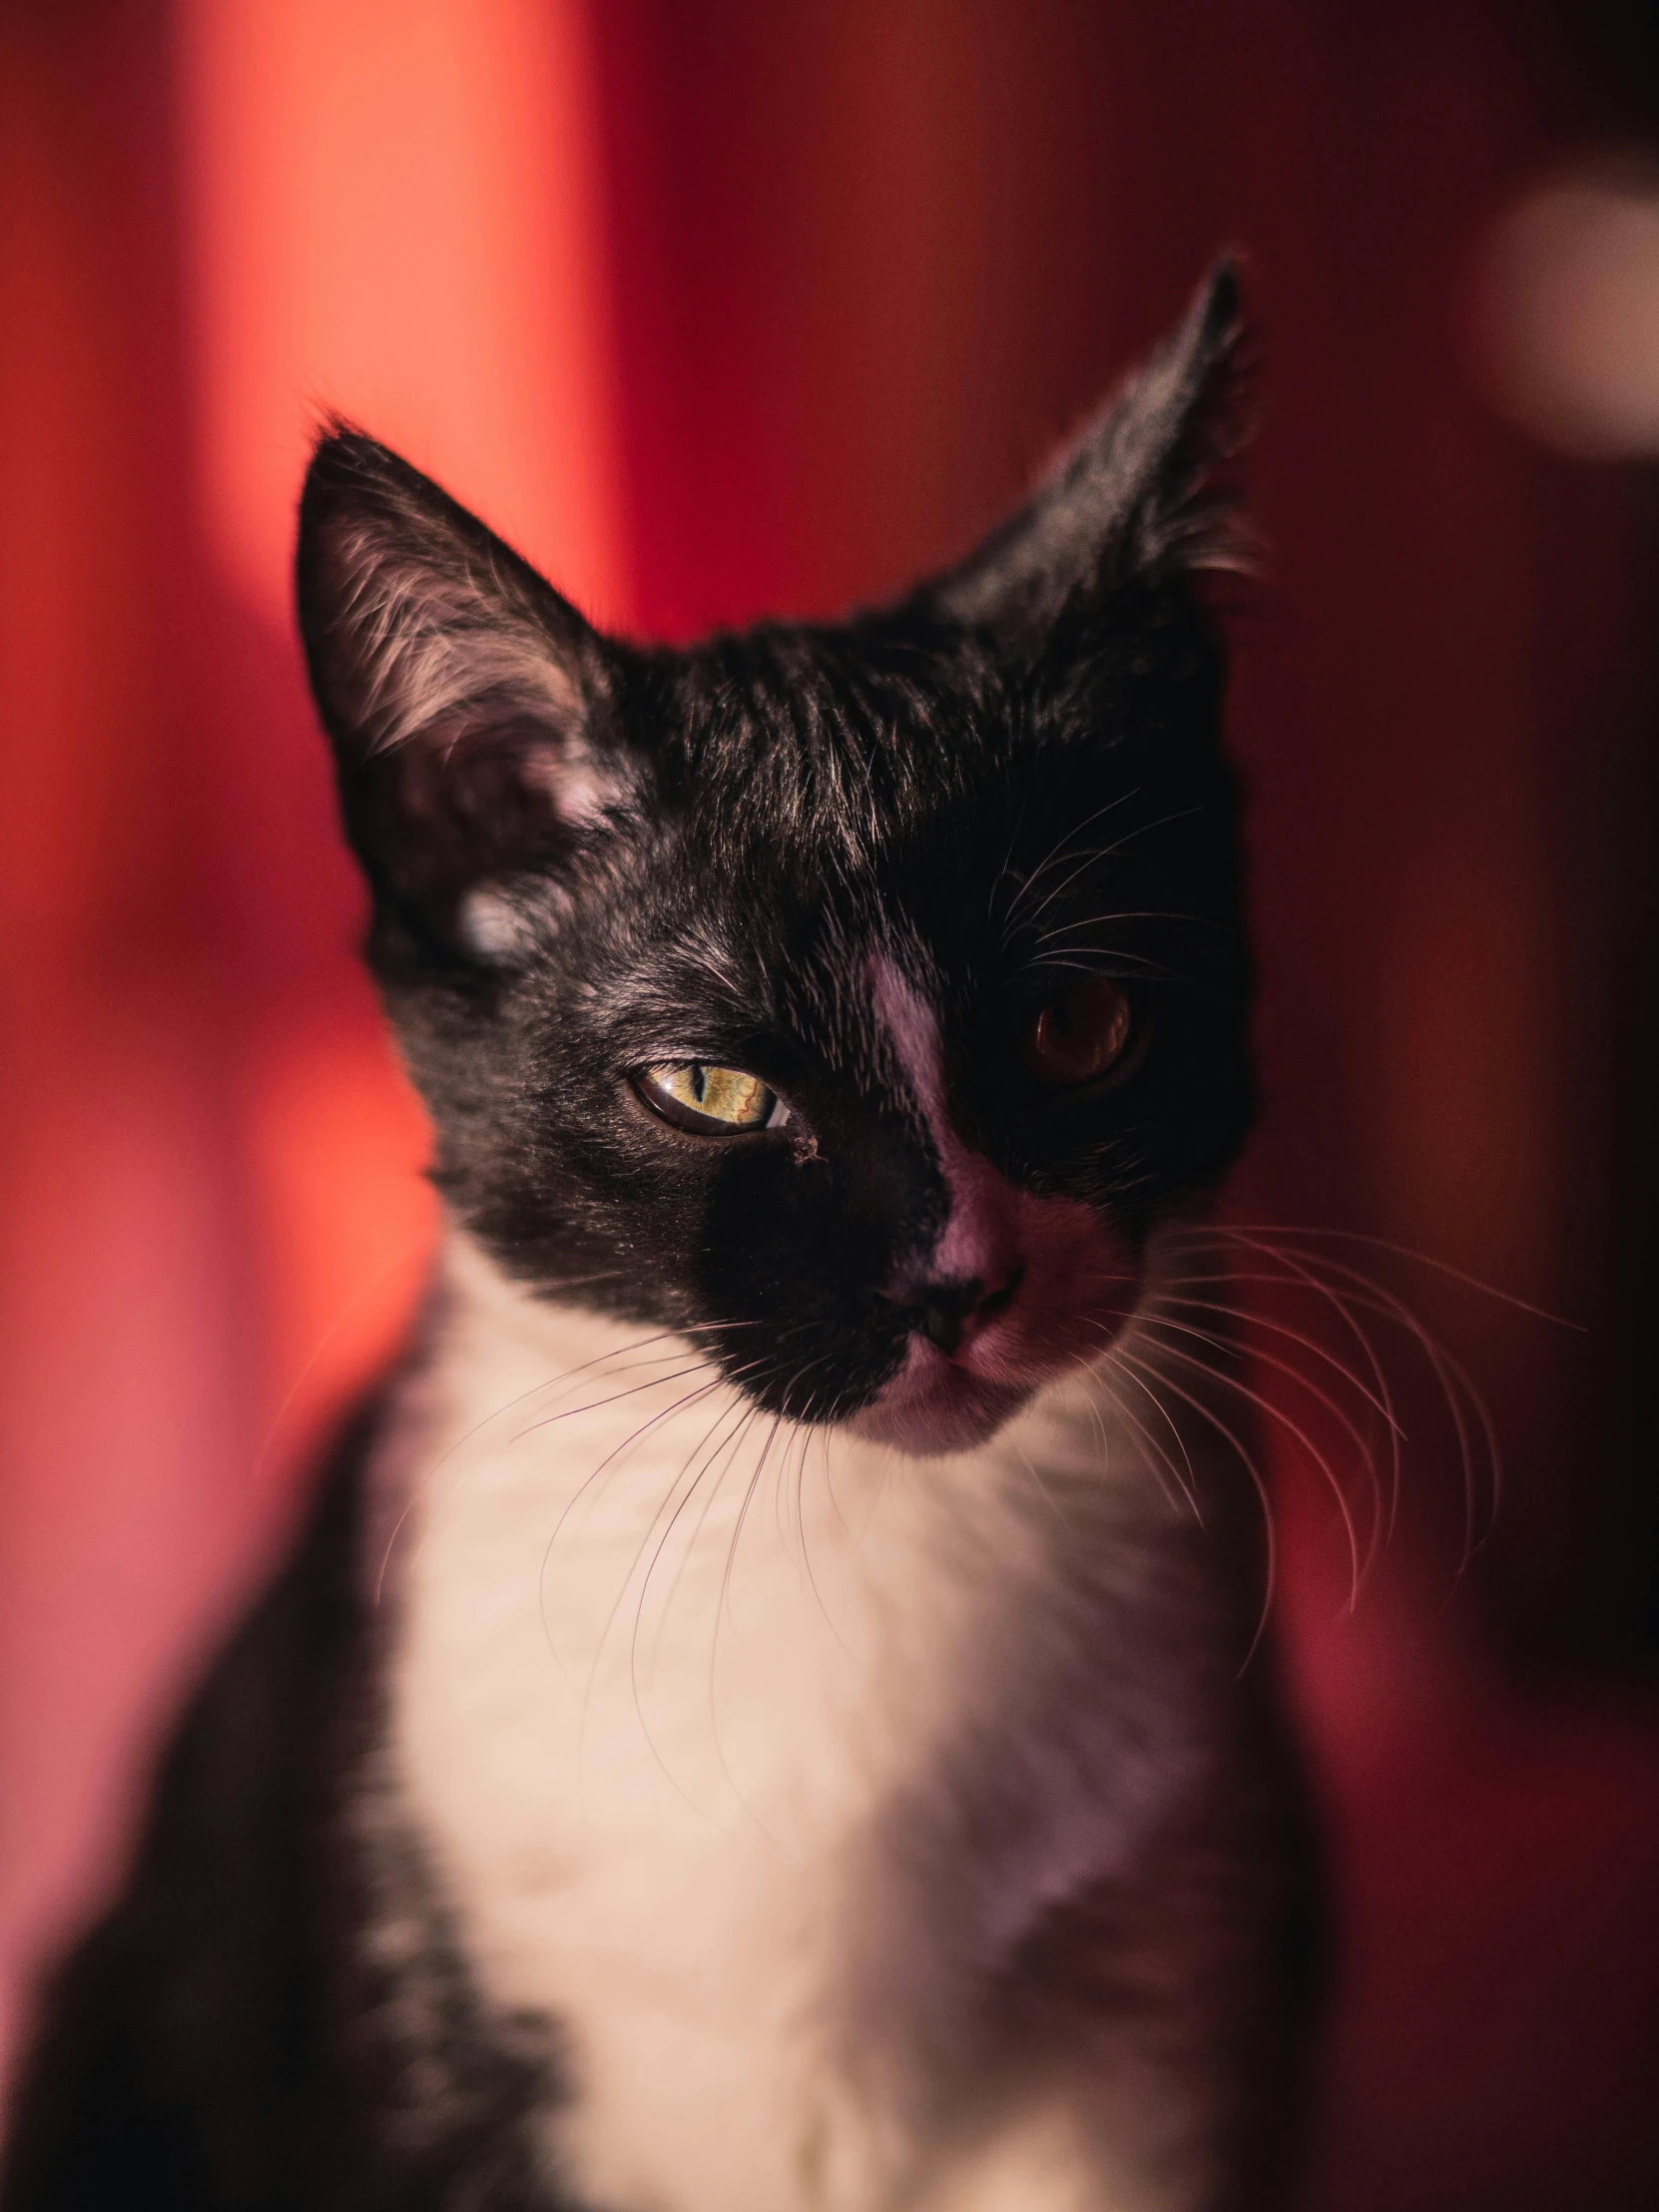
(494, 926)
(751, 1752)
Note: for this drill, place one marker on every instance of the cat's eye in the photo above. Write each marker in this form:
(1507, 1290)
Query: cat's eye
(1080, 1037)
(710, 1101)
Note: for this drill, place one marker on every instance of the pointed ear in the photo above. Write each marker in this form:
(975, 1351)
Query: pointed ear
(466, 702)
(1133, 498)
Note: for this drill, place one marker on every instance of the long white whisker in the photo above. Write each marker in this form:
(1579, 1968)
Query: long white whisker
(596, 1475)
(1253, 1319)
(1102, 921)
(1056, 850)
(1456, 1385)
(644, 1587)
(1277, 1413)
(1282, 1367)
(1282, 1229)
(598, 1404)
(745, 1412)
(723, 1610)
(1323, 1290)
(1453, 1378)
(688, 1398)
(1181, 1490)
(565, 1375)
(1269, 1537)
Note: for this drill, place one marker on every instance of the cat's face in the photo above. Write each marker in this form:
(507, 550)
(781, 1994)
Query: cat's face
(857, 998)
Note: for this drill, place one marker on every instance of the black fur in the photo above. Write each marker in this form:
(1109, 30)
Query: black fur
(1015, 778)
(1011, 779)
(238, 2032)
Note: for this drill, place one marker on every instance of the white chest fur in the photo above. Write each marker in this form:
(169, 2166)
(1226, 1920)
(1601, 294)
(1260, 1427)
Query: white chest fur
(751, 1752)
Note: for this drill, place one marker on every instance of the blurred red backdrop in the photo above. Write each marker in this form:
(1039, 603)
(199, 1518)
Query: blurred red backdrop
(738, 307)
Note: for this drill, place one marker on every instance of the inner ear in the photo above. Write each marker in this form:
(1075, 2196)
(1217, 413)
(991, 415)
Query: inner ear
(469, 706)
(441, 827)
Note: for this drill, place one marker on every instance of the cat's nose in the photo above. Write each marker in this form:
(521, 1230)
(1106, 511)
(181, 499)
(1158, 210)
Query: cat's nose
(946, 1313)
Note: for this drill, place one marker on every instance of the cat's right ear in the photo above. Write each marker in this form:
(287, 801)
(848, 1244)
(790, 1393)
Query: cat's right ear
(1139, 500)
(466, 700)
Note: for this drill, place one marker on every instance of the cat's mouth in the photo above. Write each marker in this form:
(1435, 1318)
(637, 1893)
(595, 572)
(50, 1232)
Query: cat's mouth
(939, 1404)
(946, 1398)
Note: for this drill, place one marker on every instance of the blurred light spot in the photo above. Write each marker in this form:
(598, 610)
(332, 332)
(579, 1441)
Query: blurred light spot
(1566, 313)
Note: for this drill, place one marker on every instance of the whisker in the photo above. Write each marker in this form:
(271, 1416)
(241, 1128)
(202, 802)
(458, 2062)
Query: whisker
(715, 1381)
(1145, 829)
(364, 1289)
(829, 1486)
(1322, 1397)
(1041, 1488)
(1382, 1401)
(1455, 1384)
(598, 1404)
(747, 1415)
(1253, 1319)
(781, 1500)
(689, 1397)
(597, 1475)
(1084, 860)
(1268, 1536)
(723, 1610)
(807, 1439)
(1103, 921)
(725, 1606)
(1057, 848)
(645, 1586)
(1107, 852)
(1007, 867)
(1277, 1413)
(1384, 1244)
(1117, 956)
(1323, 1290)
(1187, 1491)
(418, 1487)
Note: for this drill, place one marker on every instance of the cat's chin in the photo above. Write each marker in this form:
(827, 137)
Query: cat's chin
(934, 1406)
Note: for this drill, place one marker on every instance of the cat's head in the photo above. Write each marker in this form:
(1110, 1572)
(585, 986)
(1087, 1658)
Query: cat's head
(857, 998)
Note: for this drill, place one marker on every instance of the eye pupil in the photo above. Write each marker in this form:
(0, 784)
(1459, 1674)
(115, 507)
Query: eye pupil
(708, 1101)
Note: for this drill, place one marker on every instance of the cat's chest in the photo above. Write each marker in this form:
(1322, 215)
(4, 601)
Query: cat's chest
(741, 1750)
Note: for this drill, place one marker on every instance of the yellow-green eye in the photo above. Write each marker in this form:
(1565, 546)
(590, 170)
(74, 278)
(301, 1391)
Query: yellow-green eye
(711, 1102)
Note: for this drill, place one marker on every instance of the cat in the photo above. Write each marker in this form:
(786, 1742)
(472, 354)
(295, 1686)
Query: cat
(769, 1711)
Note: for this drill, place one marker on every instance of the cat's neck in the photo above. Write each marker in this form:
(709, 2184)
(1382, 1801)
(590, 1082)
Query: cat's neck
(678, 1562)
(687, 1702)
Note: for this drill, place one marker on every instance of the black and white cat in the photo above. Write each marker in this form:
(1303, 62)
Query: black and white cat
(768, 1714)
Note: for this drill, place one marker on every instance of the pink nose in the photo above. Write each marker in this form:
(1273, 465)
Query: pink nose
(948, 1312)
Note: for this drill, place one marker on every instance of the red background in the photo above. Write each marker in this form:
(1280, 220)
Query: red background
(739, 308)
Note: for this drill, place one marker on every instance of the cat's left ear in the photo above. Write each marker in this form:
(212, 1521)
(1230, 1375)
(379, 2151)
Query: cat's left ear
(466, 700)
(1136, 499)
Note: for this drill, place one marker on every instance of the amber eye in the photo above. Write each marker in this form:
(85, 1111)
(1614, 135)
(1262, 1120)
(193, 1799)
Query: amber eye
(710, 1102)
(1078, 1037)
